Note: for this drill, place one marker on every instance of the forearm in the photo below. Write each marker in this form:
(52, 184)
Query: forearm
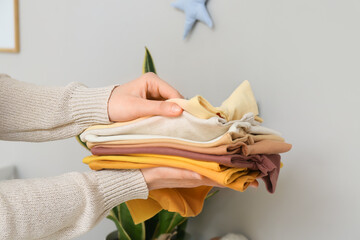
(66, 206)
(35, 113)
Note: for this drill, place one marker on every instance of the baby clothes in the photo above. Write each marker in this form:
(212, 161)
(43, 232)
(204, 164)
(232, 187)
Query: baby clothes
(226, 144)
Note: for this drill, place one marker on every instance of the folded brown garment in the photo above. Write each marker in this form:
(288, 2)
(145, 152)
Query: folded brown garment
(261, 147)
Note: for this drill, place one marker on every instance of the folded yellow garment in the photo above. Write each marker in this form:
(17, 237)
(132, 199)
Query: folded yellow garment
(240, 102)
(187, 202)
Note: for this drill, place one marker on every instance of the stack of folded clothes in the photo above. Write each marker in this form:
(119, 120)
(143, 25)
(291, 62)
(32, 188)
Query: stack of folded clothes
(226, 144)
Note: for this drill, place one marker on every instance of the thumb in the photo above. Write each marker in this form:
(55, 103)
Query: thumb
(162, 108)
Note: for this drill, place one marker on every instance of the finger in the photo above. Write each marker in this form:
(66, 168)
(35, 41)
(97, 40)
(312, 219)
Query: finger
(254, 184)
(151, 107)
(159, 88)
(209, 182)
(190, 178)
(168, 177)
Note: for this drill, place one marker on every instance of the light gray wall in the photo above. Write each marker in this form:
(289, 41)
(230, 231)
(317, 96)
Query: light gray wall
(301, 57)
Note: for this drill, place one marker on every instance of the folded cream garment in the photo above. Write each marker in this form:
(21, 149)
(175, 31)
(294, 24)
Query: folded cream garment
(229, 138)
(194, 133)
(185, 126)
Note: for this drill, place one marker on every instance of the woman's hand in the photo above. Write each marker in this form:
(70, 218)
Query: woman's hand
(167, 177)
(143, 97)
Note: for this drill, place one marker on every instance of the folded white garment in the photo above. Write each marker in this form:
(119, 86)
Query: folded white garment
(99, 139)
(184, 127)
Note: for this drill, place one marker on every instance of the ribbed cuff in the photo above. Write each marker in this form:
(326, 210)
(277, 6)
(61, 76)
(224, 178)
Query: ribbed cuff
(118, 186)
(89, 106)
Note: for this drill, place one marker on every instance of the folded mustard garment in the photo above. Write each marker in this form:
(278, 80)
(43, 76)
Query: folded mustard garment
(187, 202)
(226, 176)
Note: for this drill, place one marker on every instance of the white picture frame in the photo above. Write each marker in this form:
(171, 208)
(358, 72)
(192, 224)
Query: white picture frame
(9, 26)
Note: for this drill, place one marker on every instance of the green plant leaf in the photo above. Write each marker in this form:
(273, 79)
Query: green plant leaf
(121, 232)
(81, 142)
(181, 230)
(116, 210)
(168, 221)
(136, 232)
(148, 65)
(151, 225)
(211, 194)
(112, 236)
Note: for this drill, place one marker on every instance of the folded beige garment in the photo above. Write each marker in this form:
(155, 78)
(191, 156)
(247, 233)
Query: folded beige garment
(227, 138)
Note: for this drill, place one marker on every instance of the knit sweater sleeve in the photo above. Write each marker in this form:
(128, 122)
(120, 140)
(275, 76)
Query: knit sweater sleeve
(65, 206)
(61, 207)
(36, 113)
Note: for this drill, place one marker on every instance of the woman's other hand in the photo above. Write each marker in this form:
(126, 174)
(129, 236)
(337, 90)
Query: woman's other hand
(168, 177)
(143, 97)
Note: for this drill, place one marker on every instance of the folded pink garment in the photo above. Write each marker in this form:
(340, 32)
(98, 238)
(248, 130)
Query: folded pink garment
(267, 164)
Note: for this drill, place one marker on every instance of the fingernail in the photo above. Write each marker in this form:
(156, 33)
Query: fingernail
(175, 108)
(196, 176)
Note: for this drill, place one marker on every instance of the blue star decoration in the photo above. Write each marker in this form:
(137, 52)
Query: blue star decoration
(194, 10)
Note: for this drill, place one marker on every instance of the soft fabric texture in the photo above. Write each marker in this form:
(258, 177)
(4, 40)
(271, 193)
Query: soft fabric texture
(65, 206)
(268, 165)
(240, 102)
(266, 147)
(223, 175)
(185, 126)
(36, 113)
(260, 147)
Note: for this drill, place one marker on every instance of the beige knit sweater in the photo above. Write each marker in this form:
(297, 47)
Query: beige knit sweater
(69, 205)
